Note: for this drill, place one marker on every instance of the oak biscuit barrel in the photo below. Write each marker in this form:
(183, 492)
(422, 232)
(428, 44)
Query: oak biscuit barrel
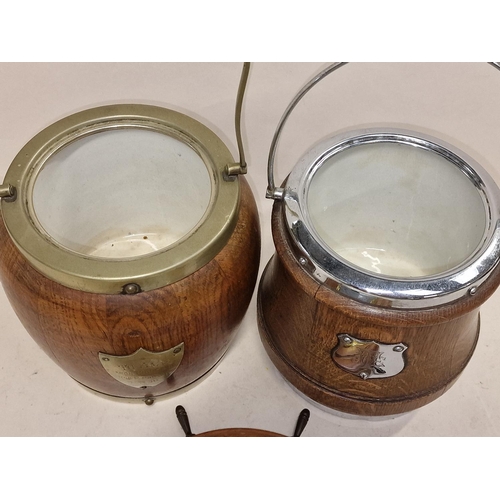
(200, 313)
(183, 419)
(302, 324)
(387, 242)
(130, 247)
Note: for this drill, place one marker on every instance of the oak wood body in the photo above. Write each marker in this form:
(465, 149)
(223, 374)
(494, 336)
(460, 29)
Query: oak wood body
(239, 432)
(202, 310)
(299, 320)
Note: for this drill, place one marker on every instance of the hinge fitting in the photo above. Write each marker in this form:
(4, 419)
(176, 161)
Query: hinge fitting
(8, 192)
(235, 169)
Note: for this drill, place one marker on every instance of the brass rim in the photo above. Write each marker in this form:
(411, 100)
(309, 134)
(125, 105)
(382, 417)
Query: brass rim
(151, 271)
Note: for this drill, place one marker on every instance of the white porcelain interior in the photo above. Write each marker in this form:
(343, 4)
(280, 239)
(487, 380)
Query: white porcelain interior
(122, 193)
(396, 209)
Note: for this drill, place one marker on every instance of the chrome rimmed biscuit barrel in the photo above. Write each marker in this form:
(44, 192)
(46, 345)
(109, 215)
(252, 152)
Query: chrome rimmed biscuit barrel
(387, 243)
(130, 246)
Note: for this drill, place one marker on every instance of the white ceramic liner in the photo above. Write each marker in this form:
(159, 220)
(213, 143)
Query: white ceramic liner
(396, 209)
(393, 218)
(122, 193)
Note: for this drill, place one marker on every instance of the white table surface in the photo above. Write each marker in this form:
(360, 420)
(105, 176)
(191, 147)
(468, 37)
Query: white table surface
(459, 103)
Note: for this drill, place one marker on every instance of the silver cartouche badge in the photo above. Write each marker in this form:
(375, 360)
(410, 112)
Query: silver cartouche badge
(368, 359)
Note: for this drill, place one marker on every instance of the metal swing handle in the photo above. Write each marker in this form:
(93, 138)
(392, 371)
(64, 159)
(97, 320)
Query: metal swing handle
(272, 191)
(241, 167)
(8, 192)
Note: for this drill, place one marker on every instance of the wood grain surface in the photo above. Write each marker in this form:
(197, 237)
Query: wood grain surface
(202, 310)
(239, 432)
(300, 319)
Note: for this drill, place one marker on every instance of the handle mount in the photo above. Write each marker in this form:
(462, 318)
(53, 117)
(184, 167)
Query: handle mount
(278, 193)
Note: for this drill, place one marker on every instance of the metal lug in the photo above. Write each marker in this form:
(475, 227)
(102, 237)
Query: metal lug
(235, 169)
(8, 192)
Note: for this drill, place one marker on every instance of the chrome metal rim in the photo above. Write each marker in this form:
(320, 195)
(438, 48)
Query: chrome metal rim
(329, 268)
(151, 271)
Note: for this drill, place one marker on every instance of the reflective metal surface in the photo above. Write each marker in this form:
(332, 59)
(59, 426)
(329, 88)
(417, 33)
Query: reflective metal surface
(272, 191)
(368, 359)
(327, 267)
(148, 396)
(143, 368)
(241, 167)
(150, 271)
(7, 192)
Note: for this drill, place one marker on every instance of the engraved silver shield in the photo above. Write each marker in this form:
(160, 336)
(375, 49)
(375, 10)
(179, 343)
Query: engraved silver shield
(367, 358)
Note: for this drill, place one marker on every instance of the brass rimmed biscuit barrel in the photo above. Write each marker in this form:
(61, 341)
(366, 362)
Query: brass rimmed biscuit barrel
(130, 246)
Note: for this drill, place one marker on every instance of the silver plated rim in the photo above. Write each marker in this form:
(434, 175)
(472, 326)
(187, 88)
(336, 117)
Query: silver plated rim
(329, 268)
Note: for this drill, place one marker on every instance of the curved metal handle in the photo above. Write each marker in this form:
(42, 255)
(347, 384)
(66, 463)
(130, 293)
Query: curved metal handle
(272, 191)
(8, 192)
(241, 167)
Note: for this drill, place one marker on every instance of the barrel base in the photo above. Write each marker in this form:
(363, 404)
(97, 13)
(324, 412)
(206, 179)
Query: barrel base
(329, 397)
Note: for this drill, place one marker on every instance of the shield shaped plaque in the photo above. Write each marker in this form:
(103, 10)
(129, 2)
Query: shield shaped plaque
(367, 358)
(143, 368)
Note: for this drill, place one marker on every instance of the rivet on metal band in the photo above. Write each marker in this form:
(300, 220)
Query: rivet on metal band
(131, 289)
